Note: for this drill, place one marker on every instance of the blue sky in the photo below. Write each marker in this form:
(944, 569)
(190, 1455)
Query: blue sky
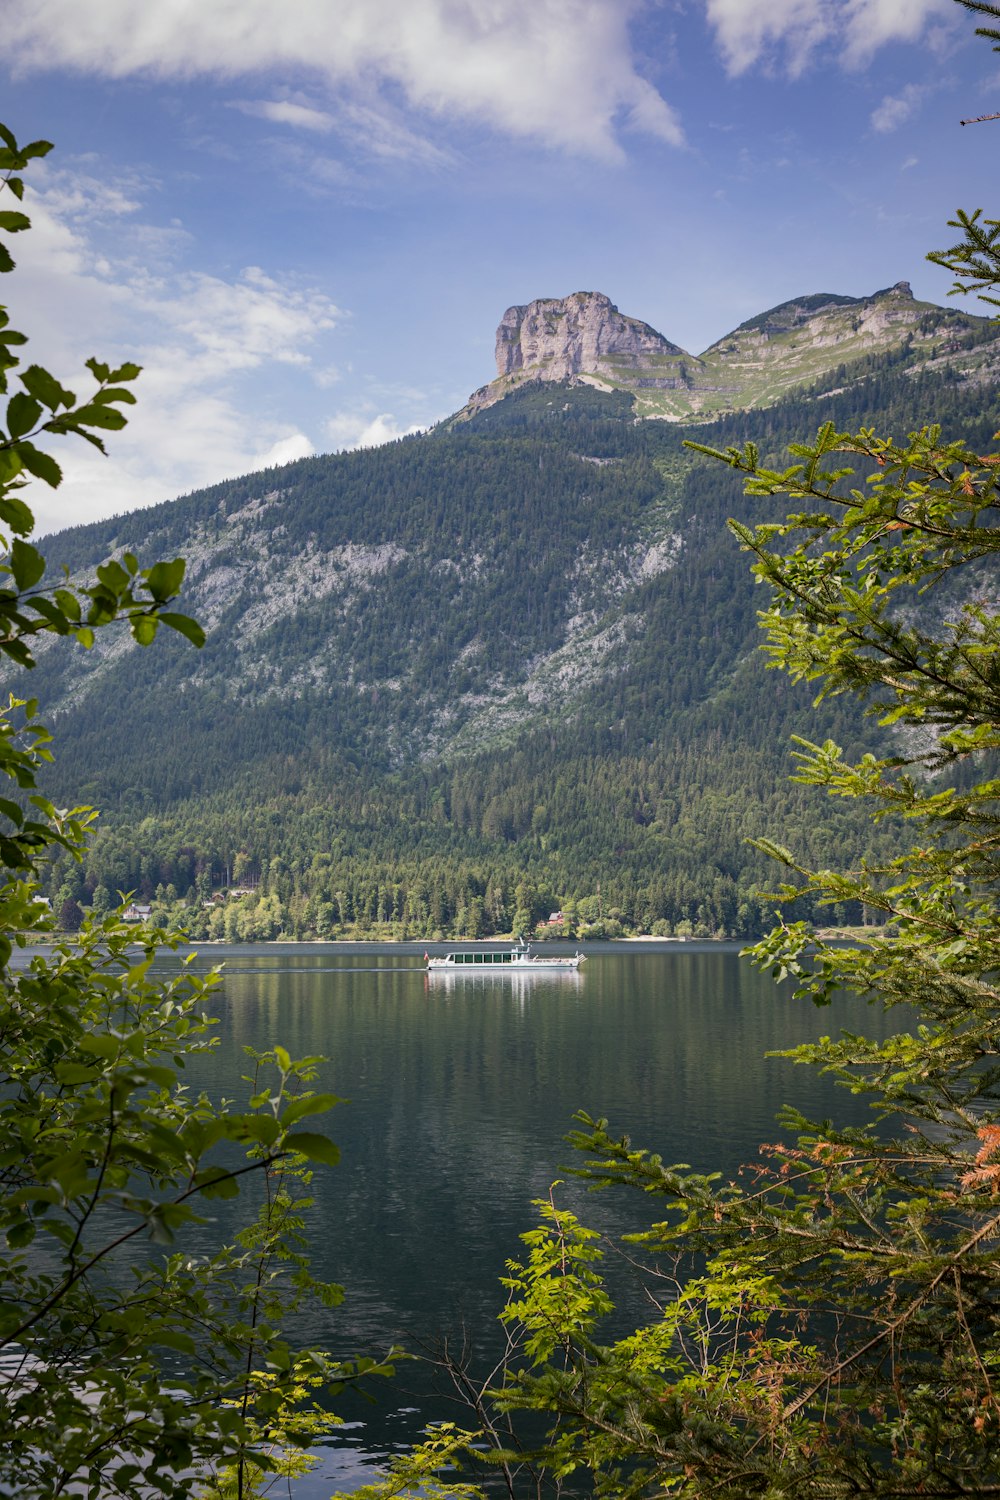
(306, 219)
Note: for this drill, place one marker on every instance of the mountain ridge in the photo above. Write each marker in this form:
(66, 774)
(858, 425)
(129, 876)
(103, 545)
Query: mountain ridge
(584, 338)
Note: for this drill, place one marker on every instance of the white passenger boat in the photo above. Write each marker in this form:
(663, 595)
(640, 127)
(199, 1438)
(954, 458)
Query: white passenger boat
(517, 960)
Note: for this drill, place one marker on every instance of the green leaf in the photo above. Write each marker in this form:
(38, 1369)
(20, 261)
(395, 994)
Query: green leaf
(50, 611)
(314, 1147)
(32, 1194)
(215, 1182)
(100, 1045)
(42, 465)
(45, 388)
(23, 413)
(264, 1129)
(20, 1234)
(68, 603)
(144, 628)
(26, 563)
(165, 578)
(14, 512)
(125, 372)
(71, 1074)
(313, 1104)
(112, 393)
(13, 222)
(160, 1229)
(167, 1339)
(17, 651)
(35, 149)
(11, 465)
(68, 423)
(113, 576)
(94, 415)
(186, 626)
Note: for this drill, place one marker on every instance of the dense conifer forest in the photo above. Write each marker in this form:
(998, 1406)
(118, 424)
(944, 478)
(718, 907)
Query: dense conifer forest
(398, 792)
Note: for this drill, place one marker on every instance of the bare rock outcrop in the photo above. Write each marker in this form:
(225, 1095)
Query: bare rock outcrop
(565, 336)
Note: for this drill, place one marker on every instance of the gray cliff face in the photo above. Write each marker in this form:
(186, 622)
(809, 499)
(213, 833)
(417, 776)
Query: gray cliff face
(561, 337)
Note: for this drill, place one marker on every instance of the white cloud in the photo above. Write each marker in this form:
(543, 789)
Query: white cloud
(872, 23)
(359, 429)
(202, 412)
(560, 71)
(749, 32)
(225, 326)
(896, 109)
(381, 133)
(745, 29)
(285, 451)
(287, 112)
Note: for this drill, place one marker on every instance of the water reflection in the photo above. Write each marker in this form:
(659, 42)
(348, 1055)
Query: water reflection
(522, 983)
(462, 1088)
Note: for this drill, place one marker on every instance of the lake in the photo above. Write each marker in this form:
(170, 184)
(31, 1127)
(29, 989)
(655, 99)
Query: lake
(462, 1089)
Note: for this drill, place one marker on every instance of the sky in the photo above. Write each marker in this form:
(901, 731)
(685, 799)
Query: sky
(305, 219)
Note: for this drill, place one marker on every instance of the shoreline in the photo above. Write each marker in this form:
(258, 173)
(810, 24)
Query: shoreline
(38, 940)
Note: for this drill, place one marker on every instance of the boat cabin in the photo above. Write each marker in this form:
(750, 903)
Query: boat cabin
(480, 958)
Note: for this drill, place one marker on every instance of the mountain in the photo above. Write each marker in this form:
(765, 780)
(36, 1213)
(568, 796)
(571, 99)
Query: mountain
(583, 338)
(498, 669)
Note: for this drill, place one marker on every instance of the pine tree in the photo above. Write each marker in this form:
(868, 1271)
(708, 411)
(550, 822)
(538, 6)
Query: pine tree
(984, 8)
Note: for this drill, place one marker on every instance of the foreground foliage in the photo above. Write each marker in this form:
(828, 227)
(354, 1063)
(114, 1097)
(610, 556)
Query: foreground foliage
(130, 1355)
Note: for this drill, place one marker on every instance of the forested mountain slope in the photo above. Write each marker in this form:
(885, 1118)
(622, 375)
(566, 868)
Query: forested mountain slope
(457, 682)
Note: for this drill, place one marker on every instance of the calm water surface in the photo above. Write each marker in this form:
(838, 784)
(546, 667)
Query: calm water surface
(461, 1090)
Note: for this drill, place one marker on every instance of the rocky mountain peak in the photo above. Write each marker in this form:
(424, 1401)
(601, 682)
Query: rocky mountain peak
(583, 339)
(819, 308)
(562, 337)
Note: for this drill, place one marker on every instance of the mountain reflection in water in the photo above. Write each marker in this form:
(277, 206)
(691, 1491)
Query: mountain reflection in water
(461, 1090)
